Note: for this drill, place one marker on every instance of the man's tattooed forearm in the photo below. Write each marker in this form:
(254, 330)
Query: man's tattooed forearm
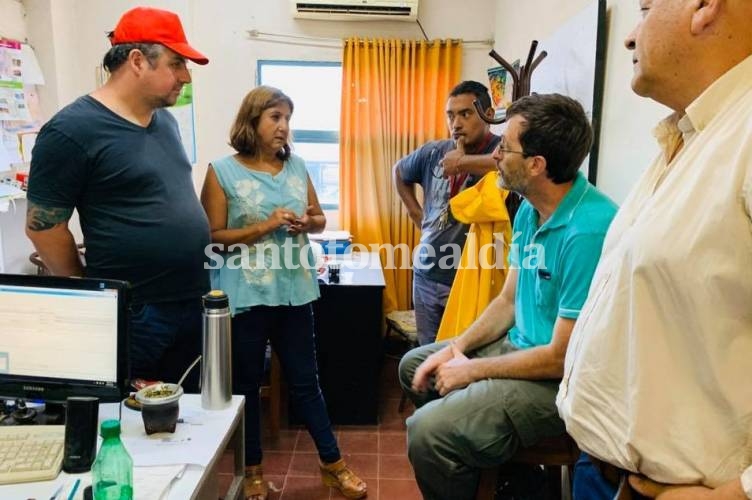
(41, 218)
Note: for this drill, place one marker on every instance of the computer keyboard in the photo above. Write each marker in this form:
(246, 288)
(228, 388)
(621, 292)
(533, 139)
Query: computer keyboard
(30, 452)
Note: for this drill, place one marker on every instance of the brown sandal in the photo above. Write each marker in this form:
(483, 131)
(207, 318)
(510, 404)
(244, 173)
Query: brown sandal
(338, 475)
(254, 486)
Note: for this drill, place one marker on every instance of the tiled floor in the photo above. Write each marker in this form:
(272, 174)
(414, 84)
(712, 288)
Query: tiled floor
(376, 453)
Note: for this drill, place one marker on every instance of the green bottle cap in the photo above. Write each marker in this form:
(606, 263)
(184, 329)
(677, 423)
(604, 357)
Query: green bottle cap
(110, 428)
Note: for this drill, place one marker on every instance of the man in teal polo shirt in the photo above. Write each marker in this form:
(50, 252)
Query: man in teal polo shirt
(492, 389)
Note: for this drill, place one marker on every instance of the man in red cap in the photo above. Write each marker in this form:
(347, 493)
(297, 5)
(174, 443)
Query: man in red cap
(116, 157)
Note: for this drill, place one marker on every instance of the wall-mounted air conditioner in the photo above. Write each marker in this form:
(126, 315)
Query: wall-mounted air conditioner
(356, 10)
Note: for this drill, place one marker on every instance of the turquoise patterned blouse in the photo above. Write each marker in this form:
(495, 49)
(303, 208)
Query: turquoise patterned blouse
(278, 269)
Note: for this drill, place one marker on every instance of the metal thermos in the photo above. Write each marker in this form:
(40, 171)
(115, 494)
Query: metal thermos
(216, 363)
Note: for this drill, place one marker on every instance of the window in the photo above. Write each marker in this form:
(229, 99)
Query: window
(315, 90)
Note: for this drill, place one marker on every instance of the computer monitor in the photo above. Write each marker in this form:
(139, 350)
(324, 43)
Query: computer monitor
(63, 337)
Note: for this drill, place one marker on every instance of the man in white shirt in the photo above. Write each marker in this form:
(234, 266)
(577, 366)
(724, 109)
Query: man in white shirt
(656, 378)
(737, 489)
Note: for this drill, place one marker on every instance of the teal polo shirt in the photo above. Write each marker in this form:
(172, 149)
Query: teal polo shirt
(556, 261)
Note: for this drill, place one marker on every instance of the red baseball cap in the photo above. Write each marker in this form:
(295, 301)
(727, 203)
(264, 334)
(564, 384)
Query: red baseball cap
(149, 25)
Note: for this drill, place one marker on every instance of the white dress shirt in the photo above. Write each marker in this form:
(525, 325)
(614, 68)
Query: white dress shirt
(747, 482)
(658, 373)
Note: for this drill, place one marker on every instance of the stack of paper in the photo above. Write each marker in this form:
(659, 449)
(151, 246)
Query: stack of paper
(331, 236)
(153, 483)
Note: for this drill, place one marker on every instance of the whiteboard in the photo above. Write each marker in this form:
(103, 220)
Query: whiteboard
(574, 67)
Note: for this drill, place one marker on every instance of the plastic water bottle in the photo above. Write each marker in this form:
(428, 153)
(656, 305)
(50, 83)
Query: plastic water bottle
(112, 472)
(216, 356)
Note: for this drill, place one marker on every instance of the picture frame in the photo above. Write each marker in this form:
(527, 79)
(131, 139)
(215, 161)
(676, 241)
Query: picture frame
(500, 84)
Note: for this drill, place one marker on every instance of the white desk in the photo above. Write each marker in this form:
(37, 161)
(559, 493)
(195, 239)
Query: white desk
(200, 441)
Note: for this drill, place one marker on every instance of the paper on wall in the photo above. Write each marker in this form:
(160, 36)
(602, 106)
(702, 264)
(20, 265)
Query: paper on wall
(32, 73)
(12, 97)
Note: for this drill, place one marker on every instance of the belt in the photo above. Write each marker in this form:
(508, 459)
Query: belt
(618, 478)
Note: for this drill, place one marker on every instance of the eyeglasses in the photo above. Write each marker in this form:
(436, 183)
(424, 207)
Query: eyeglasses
(501, 149)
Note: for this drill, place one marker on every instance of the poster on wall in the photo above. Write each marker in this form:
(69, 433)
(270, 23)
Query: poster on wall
(20, 113)
(501, 85)
(575, 67)
(183, 113)
(17, 137)
(12, 98)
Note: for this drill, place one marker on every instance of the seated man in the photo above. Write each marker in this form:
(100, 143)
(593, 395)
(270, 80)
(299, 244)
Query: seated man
(486, 393)
(736, 489)
(657, 376)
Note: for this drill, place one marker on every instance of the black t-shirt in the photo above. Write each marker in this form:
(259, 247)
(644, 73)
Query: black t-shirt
(132, 186)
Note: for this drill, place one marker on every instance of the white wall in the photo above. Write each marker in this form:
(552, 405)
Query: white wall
(626, 143)
(43, 36)
(12, 24)
(14, 247)
(219, 29)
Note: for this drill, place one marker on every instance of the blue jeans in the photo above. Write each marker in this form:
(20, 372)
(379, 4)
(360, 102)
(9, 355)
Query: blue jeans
(290, 330)
(588, 483)
(165, 338)
(430, 299)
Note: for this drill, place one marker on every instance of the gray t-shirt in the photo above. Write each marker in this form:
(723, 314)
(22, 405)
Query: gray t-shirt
(438, 230)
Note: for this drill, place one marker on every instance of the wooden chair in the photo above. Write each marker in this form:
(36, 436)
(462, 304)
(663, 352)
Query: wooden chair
(273, 393)
(554, 454)
(403, 323)
(42, 270)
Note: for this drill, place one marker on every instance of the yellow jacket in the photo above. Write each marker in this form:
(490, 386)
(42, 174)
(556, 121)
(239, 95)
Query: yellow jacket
(480, 276)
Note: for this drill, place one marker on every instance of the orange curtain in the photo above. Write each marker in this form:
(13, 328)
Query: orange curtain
(393, 96)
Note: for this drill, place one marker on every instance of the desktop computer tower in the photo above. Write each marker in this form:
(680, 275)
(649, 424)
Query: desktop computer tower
(81, 417)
